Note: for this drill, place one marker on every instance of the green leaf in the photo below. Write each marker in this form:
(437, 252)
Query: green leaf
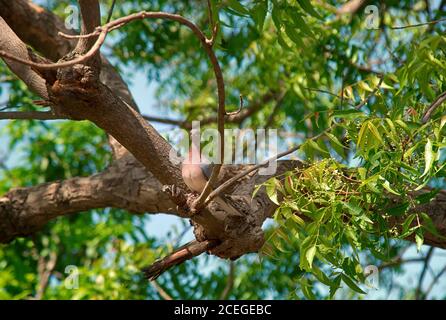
(428, 157)
(419, 239)
(427, 197)
(348, 114)
(386, 185)
(276, 15)
(393, 134)
(362, 142)
(307, 252)
(322, 277)
(256, 189)
(308, 7)
(352, 208)
(300, 23)
(258, 14)
(429, 225)
(237, 6)
(214, 8)
(375, 132)
(335, 286)
(271, 190)
(293, 35)
(363, 85)
(315, 146)
(306, 290)
(352, 285)
(399, 209)
(309, 255)
(288, 184)
(403, 125)
(406, 225)
(335, 140)
(282, 42)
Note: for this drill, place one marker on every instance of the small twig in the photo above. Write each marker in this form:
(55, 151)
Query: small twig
(428, 23)
(399, 261)
(52, 66)
(239, 108)
(110, 12)
(213, 26)
(270, 120)
(102, 32)
(236, 118)
(45, 270)
(417, 25)
(180, 255)
(229, 282)
(6, 106)
(434, 281)
(180, 123)
(418, 293)
(372, 94)
(326, 92)
(437, 102)
(161, 291)
(181, 235)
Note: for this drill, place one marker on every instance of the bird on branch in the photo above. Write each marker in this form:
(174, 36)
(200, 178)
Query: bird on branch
(196, 171)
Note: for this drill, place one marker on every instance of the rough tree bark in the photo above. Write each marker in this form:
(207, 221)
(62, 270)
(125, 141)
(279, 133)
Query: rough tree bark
(142, 167)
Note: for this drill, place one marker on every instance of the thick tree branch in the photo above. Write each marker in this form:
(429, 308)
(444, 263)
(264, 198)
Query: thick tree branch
(14, 46)
(91, 18)
(125, 184)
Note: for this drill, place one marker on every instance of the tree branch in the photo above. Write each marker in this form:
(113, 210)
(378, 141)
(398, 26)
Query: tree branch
(237, 118)
(125, 184)
(16, 48)
(29, 115)
(43, 36)
(418, 293)
(351, 7)
(434, 282)
(229, 282)
(186, 252)
(437, 102)
(45, 268)
(163, 294)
